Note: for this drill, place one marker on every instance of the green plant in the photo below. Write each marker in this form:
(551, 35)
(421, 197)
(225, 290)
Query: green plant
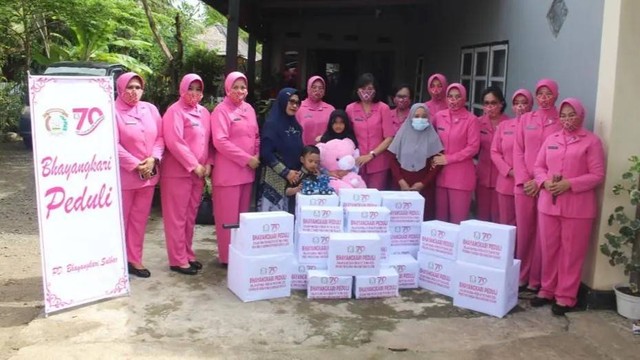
(623, 247)
(10, 106)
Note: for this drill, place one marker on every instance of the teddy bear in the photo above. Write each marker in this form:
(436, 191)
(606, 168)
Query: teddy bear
(341, 154)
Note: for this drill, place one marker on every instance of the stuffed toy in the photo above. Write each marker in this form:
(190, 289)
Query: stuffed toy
(341, 154)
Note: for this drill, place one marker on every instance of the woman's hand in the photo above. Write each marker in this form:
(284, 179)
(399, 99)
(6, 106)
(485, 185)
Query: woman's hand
(440, 160)
(532, 189)
(417, 186)
(207, 170)
(318, 138)
(510, 173)
(293, 177)
(362, 160)
(200, 171)
(404, 186)
(254, 162)
(557, 188)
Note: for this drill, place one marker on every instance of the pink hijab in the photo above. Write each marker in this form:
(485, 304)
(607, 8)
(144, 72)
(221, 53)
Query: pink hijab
(526, 93)
(121, 87)
(463, 99)
(580, 113)
(440, 102)
(310, 83)
(184, 90)
(551, 112)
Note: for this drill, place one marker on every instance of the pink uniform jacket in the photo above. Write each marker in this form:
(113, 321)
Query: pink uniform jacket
(236, 139)
(396, 120)
(533, 129)
(139, 137)
(371, 131)
(502, 155)
(486, 170)
(579, 158)
(187, 136)
(313, 115)
(460, 137)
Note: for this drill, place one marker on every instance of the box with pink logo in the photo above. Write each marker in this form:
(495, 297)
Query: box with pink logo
(354, 254)
(264, 233)
(314, 200)
(382, 285)
(360, 197)
(313, 248)
(374, 219)
(259, 277)
(407, 268)
(405, 235)
(485, 289)
(321, 219)
(322, 285)
(436, 274)
(407, 207)
(299, 275)
(440, 238)
(404, 250)
(486, 243)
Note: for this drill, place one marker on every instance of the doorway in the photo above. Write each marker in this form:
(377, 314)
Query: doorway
(339, 68)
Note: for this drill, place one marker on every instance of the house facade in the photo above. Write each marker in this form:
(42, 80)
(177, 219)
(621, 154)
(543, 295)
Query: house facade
(587, 46)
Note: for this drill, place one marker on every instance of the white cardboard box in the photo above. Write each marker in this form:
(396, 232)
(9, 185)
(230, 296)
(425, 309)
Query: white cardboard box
(374, 219)
(487, 290)
(264, 233)
(407, 268)
(377, 286)
(436, 274)
(360, 197)
(407, 207)
(386, 246)
(486, 243)
(299, 276)
(259, 277)
(321, 219)
(404, 250)
(316, 200)
(440, 238)
(321, 285)
(405, 235)
(354, 254)
(313, 248)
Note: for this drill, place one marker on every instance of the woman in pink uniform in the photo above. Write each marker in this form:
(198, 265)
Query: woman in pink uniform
(374, 130)
(436, 86)
(568, 169)
(502, 156)
(313, 114)
(188, 159)
(486, 195)
(140, 148)
(402, 100)
(460, 135)
(533, 129)
(236, 139)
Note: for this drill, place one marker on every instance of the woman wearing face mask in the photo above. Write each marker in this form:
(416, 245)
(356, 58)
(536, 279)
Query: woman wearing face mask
(502, 157)
(280, 151)
(374, 130)
(402, 102)
(486, 195)
(436, 85)
(568, 169)
(314, 113)
(237, 143)
(533, 129)
(187, 134)
(414, 148)
(460, 136)
(140, 148)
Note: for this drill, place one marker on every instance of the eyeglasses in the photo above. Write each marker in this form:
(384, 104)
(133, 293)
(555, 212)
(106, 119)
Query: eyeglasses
(293, 102)
(456, 97)
(134, 87)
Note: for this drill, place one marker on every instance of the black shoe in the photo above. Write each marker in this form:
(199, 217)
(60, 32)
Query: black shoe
(196, 264)
(540, 301)
(186, 271)
(560, 310)
(143, 273)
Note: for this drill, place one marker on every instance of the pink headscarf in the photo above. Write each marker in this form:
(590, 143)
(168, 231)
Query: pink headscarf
(236, 98)
(580, 113)
(526, 93)
(190, 99)
(459, 104)
(121, 87)
(444, 82)
(309, 90)
(553, 87)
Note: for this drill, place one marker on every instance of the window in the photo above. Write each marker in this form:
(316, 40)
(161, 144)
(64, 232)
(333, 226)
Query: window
(419, 87)
(480, 67)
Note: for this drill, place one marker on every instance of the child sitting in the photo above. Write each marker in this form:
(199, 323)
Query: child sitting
(310, 160)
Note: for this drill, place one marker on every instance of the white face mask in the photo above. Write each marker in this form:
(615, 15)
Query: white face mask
(419, 124)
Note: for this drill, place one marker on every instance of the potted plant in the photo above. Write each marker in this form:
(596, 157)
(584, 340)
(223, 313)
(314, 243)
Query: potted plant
(623, 247)
(205, 210)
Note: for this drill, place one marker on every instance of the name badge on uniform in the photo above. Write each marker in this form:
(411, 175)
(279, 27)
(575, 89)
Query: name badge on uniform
(308, 116)
(130, 122)
(552, 147)
(440, 128)
(531, 127)
(508, 132)
(236, 119)
(484, 132)
(358, 119)
(194, 123)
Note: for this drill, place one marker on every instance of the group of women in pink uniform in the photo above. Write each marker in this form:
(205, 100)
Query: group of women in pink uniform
(538, 169)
